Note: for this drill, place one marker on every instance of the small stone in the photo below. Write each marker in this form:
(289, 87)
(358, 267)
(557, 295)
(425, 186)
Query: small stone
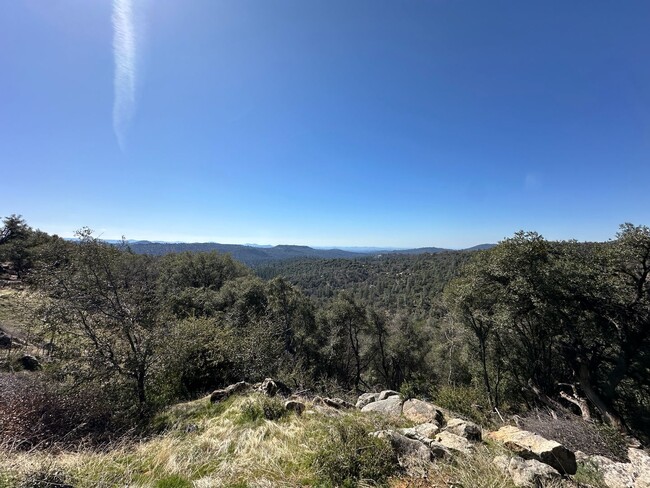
(387, 393)
(295, 406)
(225, 393)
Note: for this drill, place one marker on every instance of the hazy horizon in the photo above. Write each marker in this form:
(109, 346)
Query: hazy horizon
(326, 123)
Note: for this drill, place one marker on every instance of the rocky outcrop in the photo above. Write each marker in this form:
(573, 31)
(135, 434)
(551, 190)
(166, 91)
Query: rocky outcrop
(532, 446)
(391, 406)
(365, 399)
(420, 412)
(464, 428)
(527, 473)
(426, 431)
(408, 451)
(455, 442)
(634, 474)
(225, 393)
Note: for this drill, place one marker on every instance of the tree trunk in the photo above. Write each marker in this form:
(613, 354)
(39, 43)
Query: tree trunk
(609, 414)
(577, 400)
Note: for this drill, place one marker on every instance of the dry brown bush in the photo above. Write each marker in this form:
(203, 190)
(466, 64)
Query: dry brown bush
(36, 413)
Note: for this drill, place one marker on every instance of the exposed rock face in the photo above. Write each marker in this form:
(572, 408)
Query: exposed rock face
(295, 406)
(225, 393)
(464, 428)
(455, 442)
(527, 473)
(640, 461)
(365, 399)
(391, 406)
(386, 394)
(615, 474)
(422, 412)
(532, 446)
(427, 430)
(635, 474)
(407, 450)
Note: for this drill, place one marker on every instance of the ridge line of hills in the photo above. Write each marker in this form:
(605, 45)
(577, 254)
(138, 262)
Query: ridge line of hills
(255, 255)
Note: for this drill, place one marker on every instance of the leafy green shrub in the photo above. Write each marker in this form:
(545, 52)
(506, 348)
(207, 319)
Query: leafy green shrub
(350, 455)
(407, 391)
(468, 401)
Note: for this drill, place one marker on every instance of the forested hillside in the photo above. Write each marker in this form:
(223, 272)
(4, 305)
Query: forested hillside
(409, 283)
(109, 337)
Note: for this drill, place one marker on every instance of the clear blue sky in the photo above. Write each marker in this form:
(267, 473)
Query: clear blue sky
(326, 122)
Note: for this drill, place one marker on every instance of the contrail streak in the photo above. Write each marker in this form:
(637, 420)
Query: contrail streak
(125, 67)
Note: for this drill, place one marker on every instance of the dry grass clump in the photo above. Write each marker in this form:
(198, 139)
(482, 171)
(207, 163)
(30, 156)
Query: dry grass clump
(35, 413)
(577, 434)
(202, 445)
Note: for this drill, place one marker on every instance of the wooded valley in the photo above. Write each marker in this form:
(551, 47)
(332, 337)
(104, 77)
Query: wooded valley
(97, 340)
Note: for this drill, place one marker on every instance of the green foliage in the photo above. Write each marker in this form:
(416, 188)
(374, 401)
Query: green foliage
(465, 400)
(392, 282)
(350, 455)
(173, 481)
(545, 314)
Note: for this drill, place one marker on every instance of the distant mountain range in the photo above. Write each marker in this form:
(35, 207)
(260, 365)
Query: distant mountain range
(253, 255)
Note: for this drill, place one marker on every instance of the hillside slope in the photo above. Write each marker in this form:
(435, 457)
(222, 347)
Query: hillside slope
(255, 440)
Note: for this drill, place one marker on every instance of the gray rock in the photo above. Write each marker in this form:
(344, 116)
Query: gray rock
(464, 428)
(337, 403)
(225, 393)
(615, 474)
(640, 461)
(427, 430)
(530, 473)
(532, 446)
(365, 399)
(386, 394)
(390, 407)
(455, 442)
(407, 450)
(422, 412)
(295, 406)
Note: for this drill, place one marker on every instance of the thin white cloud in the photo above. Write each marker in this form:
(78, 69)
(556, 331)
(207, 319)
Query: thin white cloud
(124, 53)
